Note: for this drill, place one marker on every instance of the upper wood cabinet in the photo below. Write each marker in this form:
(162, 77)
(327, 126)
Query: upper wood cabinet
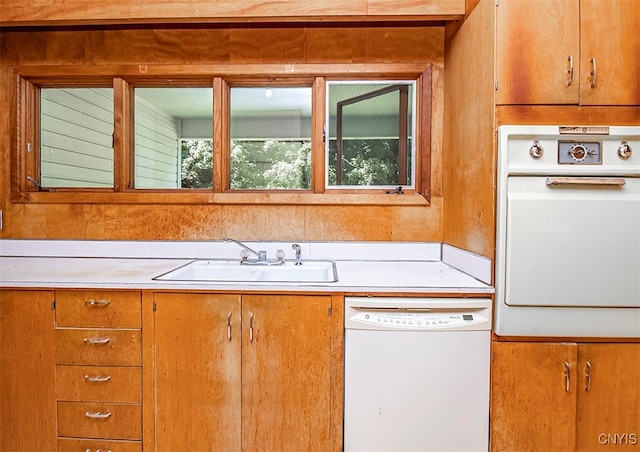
(15, 12)
(572, 52)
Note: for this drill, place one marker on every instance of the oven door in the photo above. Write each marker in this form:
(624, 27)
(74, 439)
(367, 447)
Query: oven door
(572, 242)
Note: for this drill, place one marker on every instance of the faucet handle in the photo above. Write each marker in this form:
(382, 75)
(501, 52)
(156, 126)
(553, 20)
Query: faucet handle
(280, 255)
(298, 250)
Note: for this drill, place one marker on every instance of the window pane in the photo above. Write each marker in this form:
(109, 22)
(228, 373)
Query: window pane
(371, 134)
(173, 137)
(271, 138)
(76, 137)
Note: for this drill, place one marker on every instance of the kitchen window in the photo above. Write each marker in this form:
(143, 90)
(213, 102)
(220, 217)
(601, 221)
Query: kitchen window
(371, 132)
(221, 135)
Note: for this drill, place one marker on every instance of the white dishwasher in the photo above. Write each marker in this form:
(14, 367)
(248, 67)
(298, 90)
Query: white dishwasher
(417, 374)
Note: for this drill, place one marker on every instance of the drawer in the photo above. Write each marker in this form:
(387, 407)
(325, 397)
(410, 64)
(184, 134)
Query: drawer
(99, 420)
(95, 445)
(107, 309)
(98, 384)
(98, 347)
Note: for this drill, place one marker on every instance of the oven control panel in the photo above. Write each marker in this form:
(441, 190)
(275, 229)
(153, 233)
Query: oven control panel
(579, 152)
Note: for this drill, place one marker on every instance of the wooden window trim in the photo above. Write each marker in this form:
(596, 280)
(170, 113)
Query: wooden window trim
(123, 78)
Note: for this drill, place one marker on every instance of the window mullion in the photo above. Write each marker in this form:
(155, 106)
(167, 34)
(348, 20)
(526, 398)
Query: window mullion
(122, 136)
(221, 136)
(318, 135)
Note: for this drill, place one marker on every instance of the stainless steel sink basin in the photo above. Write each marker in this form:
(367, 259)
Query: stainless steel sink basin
(233, 271)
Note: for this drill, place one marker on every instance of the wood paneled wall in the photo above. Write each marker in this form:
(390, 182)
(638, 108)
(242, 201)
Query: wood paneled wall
(225, 45)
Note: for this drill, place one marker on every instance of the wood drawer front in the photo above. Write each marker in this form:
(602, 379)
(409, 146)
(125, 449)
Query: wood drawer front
(95, 445)
(118, 421)
(99, 347)
(93, 309)
(98, 384)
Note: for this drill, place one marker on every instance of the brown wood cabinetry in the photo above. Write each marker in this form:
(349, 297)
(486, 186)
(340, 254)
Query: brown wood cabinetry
(98, 370)
(564, 396)
(27, 371)
(572, 52)
(253, 372)
(13, 12)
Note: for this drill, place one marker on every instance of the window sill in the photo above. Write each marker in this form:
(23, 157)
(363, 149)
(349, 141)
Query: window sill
(244, 198)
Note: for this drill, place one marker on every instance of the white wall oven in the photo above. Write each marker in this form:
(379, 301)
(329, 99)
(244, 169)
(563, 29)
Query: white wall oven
(568, 232)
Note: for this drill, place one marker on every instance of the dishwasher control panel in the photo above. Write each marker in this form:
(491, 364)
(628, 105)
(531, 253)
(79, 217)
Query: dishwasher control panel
(402, 319)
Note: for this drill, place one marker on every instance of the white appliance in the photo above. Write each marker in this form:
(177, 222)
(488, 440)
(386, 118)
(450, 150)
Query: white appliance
(416, 374)
(568, 232)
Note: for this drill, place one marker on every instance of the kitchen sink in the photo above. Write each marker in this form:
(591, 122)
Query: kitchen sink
(234, 271)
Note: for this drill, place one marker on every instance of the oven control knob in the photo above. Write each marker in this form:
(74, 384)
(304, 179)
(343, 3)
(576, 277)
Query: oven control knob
(578, 152)
(624, 151)
(536, 150)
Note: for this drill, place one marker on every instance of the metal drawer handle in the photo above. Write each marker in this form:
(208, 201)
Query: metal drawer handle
(97, 378)
(618, 181)
(97, 450)
(98, 302)
(97, 340)
(97, 415)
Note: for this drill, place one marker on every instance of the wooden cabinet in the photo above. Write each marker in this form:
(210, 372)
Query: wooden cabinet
(565, 396)
(578, 52)
(14, 12)
(253, 372)
(27, 378)
(98, 370)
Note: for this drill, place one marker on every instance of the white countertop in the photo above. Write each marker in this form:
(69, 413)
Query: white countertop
(72, 264)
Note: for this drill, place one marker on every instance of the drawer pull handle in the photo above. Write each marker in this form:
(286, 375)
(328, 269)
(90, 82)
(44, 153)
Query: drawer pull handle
(96, 340)
(98, 302)
(97, 450)
(97, 378)
(97, 415)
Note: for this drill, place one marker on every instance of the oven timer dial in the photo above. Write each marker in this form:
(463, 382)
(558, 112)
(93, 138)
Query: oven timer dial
(578, 152)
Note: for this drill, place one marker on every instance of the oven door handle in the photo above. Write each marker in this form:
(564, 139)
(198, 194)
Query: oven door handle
(617, 181)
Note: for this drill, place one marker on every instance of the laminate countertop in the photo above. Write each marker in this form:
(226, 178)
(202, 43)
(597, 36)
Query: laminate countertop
(361, 267)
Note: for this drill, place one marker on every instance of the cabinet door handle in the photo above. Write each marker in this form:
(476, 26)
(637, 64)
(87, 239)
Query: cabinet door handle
(97, 415)
(97, 378)
(567, 376)
(96, 340)
(251, 327)
(587, 376)
(229, 326)
(594, 73)
(570, 71)
(98, 302)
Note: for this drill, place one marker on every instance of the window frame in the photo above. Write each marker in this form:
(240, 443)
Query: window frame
(123, 79)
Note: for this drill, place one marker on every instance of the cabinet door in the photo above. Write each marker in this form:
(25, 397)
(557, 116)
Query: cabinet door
(27, 372)
(608, 397)
(286, 372)
(609, 34)
(533, 397)
(536, 42)
(197, 358)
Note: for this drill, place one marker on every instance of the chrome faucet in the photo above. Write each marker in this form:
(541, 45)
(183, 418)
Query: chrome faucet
(262, 254)
(298, 249)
